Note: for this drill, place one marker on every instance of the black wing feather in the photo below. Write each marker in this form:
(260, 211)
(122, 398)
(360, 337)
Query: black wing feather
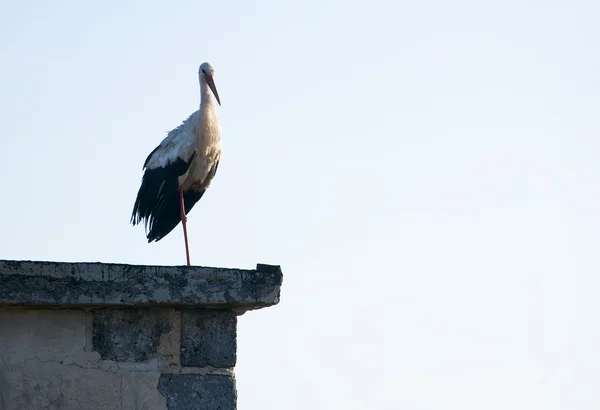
(169, 216)
(157, 202)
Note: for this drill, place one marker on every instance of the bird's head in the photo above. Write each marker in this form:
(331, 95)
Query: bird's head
(206, 73)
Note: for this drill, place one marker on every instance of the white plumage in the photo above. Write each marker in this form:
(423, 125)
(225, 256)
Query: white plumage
(181, 168)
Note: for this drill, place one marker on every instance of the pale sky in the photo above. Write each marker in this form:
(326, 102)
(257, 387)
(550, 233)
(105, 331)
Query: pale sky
(425, 172)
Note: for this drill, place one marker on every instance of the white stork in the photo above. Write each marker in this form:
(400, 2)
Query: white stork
(181, 168)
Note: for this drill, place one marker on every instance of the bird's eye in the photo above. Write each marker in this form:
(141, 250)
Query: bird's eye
(203, 72)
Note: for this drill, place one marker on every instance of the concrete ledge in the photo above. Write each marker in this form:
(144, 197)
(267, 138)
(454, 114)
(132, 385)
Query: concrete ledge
(69, 285)
(98, 336)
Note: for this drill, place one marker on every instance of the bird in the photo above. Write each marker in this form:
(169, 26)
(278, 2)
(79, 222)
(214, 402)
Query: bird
(180, 169)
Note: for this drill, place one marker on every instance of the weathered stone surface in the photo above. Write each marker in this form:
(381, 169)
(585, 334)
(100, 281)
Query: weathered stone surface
(208, 338)
(45, 363)
(139, 391)
(103, 284)
(202, 392)
(129, 334)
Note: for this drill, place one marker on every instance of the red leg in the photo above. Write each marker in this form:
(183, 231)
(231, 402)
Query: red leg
(184, 223)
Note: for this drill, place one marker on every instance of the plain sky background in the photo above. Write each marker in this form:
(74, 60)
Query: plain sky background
(426, 173)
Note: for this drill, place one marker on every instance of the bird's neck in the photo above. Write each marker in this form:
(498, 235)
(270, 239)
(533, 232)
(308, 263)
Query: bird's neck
(206, 96)
(208, 132)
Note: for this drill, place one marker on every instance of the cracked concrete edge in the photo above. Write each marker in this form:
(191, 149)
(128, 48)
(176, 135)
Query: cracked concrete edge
(62, 284)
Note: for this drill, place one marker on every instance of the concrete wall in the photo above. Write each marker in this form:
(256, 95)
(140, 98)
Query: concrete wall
(65, 352)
